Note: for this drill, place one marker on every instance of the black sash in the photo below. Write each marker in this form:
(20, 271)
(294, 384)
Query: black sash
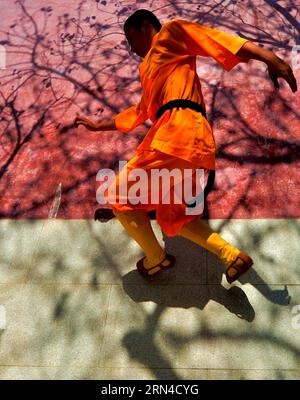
(180, 103)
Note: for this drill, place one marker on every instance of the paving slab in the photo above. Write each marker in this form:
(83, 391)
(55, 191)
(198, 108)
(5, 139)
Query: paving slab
(73, 306)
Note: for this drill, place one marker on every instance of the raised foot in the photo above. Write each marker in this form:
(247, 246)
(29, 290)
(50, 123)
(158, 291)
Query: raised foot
(241, 265)
(148, 270)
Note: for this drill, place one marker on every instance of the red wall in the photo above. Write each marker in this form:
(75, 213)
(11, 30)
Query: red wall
(67, 58)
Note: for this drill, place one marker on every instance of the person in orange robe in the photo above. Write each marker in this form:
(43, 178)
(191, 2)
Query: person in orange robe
(181, 137)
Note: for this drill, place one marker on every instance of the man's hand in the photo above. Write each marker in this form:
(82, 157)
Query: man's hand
(83, 121)
(94, 126)
(278, 68)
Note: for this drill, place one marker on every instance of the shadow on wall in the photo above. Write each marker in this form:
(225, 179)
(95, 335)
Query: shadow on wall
(78, 62)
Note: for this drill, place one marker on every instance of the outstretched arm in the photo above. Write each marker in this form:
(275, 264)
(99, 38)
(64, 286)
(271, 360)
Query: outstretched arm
(125, 121)
(95, 126)
(277, 68)
(228, 50)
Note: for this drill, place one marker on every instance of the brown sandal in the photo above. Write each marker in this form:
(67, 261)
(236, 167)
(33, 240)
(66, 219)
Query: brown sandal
(240, 269)
(145, 272)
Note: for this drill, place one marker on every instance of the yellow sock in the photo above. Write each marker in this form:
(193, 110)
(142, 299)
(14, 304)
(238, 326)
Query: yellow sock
(138, 226)
(202, 234)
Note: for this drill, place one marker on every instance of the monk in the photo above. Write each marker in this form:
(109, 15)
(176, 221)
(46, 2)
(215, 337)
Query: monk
(181, 136)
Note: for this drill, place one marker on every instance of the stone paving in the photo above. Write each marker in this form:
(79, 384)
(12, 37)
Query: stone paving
(73, 306)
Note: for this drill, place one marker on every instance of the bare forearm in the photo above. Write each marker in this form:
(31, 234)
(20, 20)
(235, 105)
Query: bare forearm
(105, 126)
(277, 68)
(252, 51)
(95, 126)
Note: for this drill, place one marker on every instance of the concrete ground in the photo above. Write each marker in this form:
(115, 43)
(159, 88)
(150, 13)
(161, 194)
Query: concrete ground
(73, 306)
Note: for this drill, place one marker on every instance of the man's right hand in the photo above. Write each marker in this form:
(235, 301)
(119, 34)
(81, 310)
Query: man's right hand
(93, 126)
(85, 122)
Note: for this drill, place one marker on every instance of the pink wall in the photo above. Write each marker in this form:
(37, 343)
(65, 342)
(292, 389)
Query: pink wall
(69, 57)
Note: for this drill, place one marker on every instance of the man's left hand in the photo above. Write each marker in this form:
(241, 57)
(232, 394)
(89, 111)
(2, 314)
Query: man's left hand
(278, 68)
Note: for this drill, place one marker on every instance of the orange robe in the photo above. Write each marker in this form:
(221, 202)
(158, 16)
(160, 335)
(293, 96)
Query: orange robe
(168, 72)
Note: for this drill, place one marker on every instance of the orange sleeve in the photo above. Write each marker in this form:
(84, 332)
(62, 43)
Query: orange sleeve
(197, 39)
(132, 117)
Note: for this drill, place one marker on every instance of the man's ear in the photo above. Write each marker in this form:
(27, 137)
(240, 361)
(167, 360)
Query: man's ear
(146, 26)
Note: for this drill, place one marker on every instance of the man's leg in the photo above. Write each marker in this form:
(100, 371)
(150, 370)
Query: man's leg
(138, 226)
(200, 233)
